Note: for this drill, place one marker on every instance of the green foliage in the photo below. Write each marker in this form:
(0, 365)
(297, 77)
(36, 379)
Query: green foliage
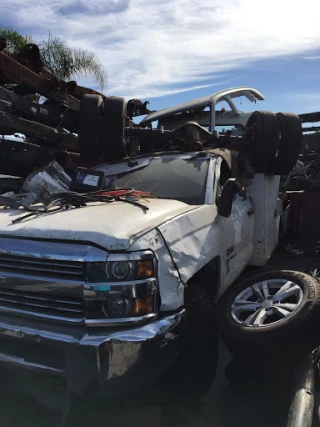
(15, 41)
(67, 63)
(58, 58)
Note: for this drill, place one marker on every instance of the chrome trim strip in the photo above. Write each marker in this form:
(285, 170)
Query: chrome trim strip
(36, 315)
(92, 338)
(52, 287)
(50, 250)
(37, 268)
(4, 293)
(33, 279)
(19, 361)
(123, 321)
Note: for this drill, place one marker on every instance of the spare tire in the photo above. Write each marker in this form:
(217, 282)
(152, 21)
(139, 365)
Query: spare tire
(289, 144)
(113, 128)
(261, 140)
(274, 310)
(89, 133)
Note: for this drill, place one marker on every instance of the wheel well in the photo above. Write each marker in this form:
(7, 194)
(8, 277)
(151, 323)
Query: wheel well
(208, 277)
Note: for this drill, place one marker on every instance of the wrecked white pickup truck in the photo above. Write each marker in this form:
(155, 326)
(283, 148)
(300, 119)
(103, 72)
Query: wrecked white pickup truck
(110, 289)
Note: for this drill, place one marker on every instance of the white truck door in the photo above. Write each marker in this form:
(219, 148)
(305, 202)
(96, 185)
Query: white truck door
(236, 233)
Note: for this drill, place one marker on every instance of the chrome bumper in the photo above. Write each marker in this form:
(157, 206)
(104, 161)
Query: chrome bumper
(104, 362)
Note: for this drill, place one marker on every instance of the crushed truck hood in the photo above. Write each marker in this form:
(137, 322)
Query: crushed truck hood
(110, 225)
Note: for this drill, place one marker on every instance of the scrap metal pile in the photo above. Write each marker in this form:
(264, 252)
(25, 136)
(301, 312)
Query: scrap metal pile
(77, 126)
(306, 175)
(70, 124)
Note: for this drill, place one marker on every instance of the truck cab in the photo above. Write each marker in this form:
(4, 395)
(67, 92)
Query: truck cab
(99, 295)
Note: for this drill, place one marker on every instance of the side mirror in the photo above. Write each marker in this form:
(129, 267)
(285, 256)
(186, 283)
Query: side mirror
(225, 204)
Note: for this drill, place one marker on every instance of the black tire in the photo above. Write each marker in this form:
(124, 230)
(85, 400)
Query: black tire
(262, 136)
(89, 124)
(113, 128)
(290, 143)
(193, 373)
(293, 335)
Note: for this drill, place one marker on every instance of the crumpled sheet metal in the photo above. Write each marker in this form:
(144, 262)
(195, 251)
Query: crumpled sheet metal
(192, 239)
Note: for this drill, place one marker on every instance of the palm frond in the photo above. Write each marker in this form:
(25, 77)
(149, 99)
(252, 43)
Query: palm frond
(15, 41)
(65, 62)
(87, 64)
(56, 57)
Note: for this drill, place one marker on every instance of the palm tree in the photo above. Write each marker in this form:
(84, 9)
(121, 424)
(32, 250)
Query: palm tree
(58, 58)
(66, 63)
(15, 41)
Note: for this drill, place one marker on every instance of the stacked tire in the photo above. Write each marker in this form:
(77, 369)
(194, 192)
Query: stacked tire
(273, 141)
(101, 126)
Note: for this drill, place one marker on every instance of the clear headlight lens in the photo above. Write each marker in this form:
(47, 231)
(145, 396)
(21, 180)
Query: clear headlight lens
(118, 270)
(109, 293)
(117, 306)
(115, 271)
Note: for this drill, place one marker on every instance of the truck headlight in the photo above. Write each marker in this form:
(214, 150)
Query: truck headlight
(124, 287)
(122, 270)
(119, 270)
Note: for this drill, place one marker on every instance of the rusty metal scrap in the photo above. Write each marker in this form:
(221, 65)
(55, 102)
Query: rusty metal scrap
(53, 123)
(21, 74)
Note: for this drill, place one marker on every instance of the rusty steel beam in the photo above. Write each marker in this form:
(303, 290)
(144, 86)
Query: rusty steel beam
(310, 117)
(21, 158)
(42, 134)
(71, 87)
(49, 114)
(30, 58)
(19, 73)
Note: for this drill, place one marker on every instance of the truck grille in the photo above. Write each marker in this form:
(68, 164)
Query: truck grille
(41, 305)
(42, 267)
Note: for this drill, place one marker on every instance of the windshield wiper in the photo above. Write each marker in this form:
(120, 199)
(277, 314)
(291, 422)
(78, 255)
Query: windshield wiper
(65, 200)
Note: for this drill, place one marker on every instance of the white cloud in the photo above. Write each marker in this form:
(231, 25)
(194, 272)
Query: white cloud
(152, 48)
(311, 57)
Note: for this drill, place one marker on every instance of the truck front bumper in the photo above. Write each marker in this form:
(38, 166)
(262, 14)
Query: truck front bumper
(102, 362)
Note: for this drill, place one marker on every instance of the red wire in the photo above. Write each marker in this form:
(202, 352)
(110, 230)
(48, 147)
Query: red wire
(122, 193)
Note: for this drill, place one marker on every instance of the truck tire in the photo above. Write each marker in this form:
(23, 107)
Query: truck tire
(193, 373)
(261, 140)
(290, 143)
(113, 128)
(271, 314)
(89, 134)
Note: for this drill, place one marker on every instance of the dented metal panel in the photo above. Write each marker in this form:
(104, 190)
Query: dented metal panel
(191, 240)
(112, 226)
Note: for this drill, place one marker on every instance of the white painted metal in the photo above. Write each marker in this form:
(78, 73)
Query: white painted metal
(112, 226)
(264, 191)
(207, 101)
(192, 236)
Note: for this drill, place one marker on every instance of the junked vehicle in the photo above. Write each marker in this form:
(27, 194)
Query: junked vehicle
(108, 290)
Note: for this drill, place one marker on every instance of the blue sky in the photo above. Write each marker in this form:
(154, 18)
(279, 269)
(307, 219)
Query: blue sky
(176, 50)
